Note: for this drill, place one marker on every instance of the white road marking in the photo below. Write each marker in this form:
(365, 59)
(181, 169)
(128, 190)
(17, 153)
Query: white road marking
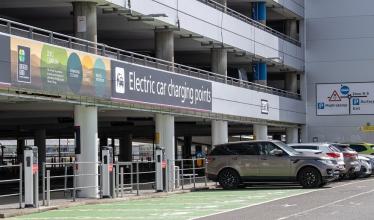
(298, 214)
(261, 203)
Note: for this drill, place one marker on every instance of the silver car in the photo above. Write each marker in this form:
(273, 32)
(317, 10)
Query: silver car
(233, 164)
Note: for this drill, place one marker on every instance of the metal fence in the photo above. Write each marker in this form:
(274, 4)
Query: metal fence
(8, 174)
(250, 21)
(190, 172)
(64, 178)
(19, 29)
(135, 176)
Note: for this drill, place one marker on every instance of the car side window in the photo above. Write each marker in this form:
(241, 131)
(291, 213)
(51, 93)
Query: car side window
(267, 148)
(358, 148)
(243, 149)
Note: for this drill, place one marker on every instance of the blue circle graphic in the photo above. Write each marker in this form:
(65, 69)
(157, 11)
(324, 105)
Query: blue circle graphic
(344, 90)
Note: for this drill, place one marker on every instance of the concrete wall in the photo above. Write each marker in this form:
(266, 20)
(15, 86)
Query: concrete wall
(339, 48)
(206, 21)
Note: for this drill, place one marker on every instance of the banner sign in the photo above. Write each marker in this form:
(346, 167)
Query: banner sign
(148, 85)
(50, 68)
(46, 67)
(345, 99)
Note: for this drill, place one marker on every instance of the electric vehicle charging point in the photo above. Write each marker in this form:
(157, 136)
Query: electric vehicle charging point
(31, 177)
(106, 170)
(160, 168)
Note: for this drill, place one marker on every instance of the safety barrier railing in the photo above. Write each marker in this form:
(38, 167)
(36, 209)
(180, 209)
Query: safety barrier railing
(39, 34)
(134, 176)
(12, 170)
(189, 172)
(65, 179)
(250, 21)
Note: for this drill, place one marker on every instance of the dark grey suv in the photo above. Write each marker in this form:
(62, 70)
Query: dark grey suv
(233, 164)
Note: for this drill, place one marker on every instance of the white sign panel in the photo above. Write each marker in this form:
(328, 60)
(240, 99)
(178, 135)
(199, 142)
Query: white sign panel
(345, 99)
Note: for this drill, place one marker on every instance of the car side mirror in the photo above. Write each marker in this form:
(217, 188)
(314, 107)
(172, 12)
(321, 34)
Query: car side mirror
(276, 152)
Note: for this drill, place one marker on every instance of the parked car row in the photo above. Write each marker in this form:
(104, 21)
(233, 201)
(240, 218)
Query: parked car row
(313, 165)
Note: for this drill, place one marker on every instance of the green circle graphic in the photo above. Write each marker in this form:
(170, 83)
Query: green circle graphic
(75, 73)
(100, 78)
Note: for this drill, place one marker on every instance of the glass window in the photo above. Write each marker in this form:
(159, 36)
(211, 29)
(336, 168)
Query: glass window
(267, 148)
(305, 147)
(243, 149)
(358, 148)
(220, 150)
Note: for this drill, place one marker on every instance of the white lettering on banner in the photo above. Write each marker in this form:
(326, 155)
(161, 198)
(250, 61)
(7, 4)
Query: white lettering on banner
(146, 84)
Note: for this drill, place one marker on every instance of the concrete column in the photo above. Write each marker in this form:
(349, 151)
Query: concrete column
(86, 119)
(260, 73)
(187, 147)
(164, 45)
(292, 135)
(219, 61)
(260, 132)
(85, 20)
(125, 148)
(259, 12)
(220, 132)
(291, 82)
(291, 29)
(40, 142)
(165, 134)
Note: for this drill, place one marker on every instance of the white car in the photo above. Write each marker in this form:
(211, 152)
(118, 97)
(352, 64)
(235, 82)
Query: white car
(366, 166)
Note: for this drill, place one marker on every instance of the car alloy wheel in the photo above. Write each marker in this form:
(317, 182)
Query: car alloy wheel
(229, 179)
(310, 178)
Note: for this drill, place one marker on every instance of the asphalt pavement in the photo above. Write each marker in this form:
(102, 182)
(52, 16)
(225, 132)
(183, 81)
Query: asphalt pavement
(346, 200)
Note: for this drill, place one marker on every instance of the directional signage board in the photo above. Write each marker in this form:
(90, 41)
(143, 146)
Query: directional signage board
(345, 99)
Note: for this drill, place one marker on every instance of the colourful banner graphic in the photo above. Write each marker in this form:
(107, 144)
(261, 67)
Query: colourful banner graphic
(56, 69)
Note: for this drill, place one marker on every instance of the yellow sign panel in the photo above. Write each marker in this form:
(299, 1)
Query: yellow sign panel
(367, 128)
(157, 138)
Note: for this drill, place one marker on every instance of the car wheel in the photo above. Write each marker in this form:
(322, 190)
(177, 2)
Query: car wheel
(310, 178)
(229, 179)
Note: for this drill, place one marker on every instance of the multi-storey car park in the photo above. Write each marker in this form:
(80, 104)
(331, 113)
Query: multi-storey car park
(175, 73)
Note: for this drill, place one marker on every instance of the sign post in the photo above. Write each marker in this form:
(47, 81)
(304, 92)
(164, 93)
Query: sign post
(160, 167)
(107, 169)
(31, 177)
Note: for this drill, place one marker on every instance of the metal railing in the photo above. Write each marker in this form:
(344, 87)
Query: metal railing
(132, 176)
(39, 34)
(250, 21)
(190, 172)
(66, 182)
(13, 168)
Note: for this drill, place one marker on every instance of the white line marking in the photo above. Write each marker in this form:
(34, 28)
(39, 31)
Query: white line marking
(323, 206)
(286, 197)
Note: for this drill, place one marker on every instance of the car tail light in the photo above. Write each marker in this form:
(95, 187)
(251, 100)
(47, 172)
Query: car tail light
(350, 155)
(333, 155)
(210, 159)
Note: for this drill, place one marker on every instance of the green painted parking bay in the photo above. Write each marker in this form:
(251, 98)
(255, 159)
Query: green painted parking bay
(176, 206)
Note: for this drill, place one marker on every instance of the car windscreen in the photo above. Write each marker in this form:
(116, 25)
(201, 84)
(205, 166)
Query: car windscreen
(286, 148)
(343, 148)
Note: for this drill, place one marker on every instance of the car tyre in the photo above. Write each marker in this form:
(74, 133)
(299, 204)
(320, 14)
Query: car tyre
(229, 179)
(310, 177)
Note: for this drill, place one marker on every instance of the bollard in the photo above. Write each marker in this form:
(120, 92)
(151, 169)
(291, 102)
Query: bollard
(131, 177)
(114, 181)
(117, 179)
(65, 179)
(182, 174)
(206, 169)
(43, 183)
(74, 182)
(48, 187)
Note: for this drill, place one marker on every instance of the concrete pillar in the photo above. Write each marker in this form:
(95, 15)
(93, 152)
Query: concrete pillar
(164, 45)
(292, 135)
(260, 132)
(165, 137)
(125, 148)
(187, 147)
(259, 12)
(220, 132)
(291, 29)
(40, 142)
(219, 61)
(85, 20)
(86, 119)
(291, 82)
(20, 148)
(260, 73)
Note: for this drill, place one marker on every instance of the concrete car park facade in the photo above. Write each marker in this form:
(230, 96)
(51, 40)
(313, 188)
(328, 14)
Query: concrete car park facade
(179, 73)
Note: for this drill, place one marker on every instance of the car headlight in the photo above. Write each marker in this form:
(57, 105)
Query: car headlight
(326, 162)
